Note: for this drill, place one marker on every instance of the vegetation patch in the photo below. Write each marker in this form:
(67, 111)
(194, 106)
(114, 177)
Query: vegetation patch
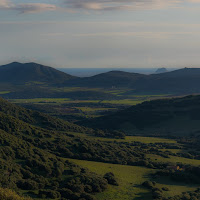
(129, 178)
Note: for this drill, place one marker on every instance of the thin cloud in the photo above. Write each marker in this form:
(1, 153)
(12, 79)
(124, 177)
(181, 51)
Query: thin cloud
(119, 4)
(5, 4)
(147, 34)
(92, 5)
(103, 5)
(34, 7)
(26, 7)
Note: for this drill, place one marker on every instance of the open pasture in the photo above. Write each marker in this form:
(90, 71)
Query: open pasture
(173, 159)
(130, 179)
(130, 139)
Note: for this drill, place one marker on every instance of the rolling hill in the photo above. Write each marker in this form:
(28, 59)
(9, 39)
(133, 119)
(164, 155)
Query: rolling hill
(9, 111)
(30, 162)
(35, 150)
(172, 117)
(21, 73)
(182, 81)
(31, 77)
(110, 79)
(34, 157)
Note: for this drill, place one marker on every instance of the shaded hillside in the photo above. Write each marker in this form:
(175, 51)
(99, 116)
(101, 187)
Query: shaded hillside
(29, 162)
(39, 173)
(108, 79)
(180, 116)
(20, 73)
(182, 81)
(33, 160)
(36, 118)
(31, 80)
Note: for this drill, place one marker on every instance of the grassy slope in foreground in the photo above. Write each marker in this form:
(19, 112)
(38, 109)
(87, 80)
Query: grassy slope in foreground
(130, 178)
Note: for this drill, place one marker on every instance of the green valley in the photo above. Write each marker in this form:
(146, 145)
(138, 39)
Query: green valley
(97, 138)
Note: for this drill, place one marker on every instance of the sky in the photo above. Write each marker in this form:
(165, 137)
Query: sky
(101, 33)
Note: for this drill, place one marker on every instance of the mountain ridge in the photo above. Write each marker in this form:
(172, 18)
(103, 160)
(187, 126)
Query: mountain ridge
(181, 81)
(21, 73)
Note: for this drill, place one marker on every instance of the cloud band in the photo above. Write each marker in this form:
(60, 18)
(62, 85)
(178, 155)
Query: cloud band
(92, 5)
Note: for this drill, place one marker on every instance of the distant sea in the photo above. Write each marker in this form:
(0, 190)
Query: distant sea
(86, 72)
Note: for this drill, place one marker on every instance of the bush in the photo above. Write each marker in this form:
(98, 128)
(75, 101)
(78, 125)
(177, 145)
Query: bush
(6, 194)
(165, 189)
(49, 194)
(110, 177)
(148, 184)
(27, 185)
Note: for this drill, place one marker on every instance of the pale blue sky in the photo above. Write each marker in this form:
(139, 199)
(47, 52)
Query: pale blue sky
(101, 33)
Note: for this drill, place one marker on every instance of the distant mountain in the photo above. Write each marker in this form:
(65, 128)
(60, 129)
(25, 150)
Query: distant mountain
(184, 72)
(110, 79)
(20, 73)
(182, 81)
(87, 72)
(161, 70)
(175, 117)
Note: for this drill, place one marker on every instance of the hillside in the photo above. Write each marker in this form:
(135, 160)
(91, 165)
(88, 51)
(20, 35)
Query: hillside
(175, 117)
(182, 81)
(33, 160)
(37, 160)
(108, 79)
(39, 173)
(36, 118)
(29, 162)
(31, 80)
(21, 73)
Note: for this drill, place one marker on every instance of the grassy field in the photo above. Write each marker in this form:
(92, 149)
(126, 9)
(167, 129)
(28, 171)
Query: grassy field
(130, 139)
(141, 139)
(123, 102)
(67, 100)
(92, 109)
(173, 159)
(4, 92)
(174, 188)
(173, 150)
(41, 100)
(130, 178)
(133, 100)
(75, 89)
